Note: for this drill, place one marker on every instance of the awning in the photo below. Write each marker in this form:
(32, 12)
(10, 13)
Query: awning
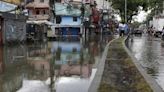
(40, 22)
(5, 7)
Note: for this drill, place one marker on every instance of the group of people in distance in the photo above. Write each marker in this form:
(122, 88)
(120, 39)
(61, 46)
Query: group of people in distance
(124, 29)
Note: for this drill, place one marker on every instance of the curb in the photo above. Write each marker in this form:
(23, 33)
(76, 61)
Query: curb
(98, 76)
(152, 83)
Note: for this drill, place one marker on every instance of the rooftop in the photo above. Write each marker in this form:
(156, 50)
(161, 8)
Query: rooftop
(37, 5)
(5, 7)
(71, 10)
(67, 10)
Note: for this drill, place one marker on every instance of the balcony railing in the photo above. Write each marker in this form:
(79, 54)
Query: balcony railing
(38, 17)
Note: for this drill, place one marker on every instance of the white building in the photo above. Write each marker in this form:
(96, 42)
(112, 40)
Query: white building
(103, 4)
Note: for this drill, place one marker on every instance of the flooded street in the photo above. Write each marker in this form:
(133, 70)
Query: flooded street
(63, 65)
(150, 54)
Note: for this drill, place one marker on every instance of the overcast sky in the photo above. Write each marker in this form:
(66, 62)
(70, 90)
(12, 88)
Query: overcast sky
(141, 16)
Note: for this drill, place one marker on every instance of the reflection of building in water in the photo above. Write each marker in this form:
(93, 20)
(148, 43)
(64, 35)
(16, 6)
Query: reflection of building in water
(1, 60)
(14, 67)
(39, 59)
(10, 83)
(81, 70)
(69, 59)
(40, 67)
(39, 11)
(14, 54)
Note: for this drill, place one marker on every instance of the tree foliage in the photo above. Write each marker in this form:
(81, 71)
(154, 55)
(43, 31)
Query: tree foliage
(156, 7)
(133, 6)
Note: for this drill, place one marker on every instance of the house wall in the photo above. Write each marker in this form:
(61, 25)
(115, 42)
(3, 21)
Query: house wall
(68, 20)
(38, 1)
(39, 13)
(14, 27)
(14, 30)
(66, 27)
(70, 31)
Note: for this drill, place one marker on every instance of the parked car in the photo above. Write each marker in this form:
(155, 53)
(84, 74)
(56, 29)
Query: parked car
(158, 34)
(137, 32)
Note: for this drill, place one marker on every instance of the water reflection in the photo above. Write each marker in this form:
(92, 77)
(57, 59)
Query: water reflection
(149, 53)
(146, 52)
(64, 65)
(1, 61)
(12, 61)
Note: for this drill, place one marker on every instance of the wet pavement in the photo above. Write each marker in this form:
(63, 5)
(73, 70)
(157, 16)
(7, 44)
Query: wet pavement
(150, 54)
(120, 73)
(63, 65)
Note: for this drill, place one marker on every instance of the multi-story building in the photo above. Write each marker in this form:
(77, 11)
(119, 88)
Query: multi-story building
(12, 26)
(68, 20)
(39, 14)
(38, 10)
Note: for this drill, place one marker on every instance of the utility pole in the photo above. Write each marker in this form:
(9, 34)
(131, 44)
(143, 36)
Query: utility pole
(52, 8)
(52, 62)
(163, 7)
(125, 11)
(82, 18)
(103, 4)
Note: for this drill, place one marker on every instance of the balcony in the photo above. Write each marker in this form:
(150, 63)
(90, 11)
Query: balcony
(38, 17)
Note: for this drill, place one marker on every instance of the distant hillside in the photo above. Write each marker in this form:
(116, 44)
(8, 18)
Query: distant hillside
(13, 1)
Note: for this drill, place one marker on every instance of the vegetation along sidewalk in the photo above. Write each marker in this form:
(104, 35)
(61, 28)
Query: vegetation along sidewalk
(120, 73)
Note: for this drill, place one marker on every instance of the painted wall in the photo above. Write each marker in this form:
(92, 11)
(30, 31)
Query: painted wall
(14, 30)
(70, 31)
(68, 20)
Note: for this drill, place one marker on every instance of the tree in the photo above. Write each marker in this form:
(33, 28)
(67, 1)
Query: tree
(157, 6)
(133, 7)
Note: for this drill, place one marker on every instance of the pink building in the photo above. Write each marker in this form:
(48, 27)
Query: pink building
(38, 10)
(81, 70)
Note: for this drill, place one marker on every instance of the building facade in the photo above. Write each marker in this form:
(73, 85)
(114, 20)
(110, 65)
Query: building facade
(38, 10)
(12, 26)
(67, 21)
(38, 16)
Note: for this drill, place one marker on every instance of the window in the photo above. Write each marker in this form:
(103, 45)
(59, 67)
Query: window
(37, 12)
(58, 19)
(59, 1)
(74, 19)
(42, 1)
(44, 12)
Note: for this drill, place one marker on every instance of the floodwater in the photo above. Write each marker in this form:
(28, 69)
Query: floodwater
(64, 65)
(150, 54)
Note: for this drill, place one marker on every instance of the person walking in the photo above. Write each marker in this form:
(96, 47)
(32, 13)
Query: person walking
(122, 28)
